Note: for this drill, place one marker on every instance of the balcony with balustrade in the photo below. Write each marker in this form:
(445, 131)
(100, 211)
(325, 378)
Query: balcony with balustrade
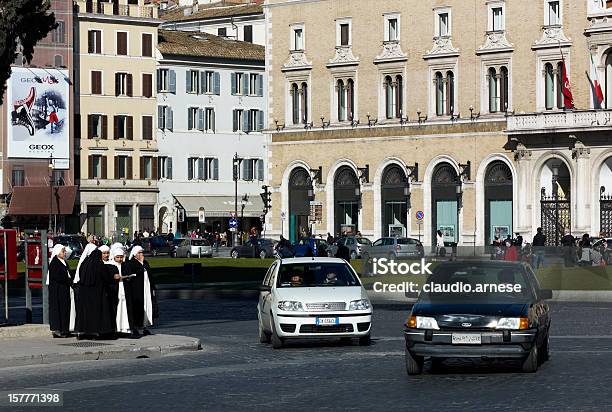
(118, 8)
(560, 122)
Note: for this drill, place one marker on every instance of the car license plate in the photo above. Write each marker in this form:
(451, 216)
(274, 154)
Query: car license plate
(466, 339)
(327, 321)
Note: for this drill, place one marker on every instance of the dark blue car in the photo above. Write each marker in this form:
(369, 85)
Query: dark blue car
(301, 247)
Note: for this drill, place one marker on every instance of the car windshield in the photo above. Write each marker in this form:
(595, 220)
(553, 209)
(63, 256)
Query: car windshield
(199, 242)
(363, 241)
(316, 274)
(477, 283)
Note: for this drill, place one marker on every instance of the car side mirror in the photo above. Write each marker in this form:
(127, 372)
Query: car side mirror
(546, 294)
(265, 288)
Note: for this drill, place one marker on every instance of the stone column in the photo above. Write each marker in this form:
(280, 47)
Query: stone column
(581, 208)
(524, 202)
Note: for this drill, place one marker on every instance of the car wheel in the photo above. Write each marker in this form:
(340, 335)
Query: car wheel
(545, 351)
(262, 254)
(353, 255)
(414, 364)
(530, 364)
(263, 336)
(234, 254)
(277, 341)
(365, 340)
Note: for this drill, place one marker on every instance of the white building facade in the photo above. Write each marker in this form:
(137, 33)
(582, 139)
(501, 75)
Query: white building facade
(211, 108)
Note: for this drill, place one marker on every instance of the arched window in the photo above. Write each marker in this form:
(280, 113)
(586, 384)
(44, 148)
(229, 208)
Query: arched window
(399, 96)
(350, 98)
(498, 201)
(493, 91)
(304, 103)
(503, 89)
(341, 101)
(389, 97)
(450, 92)
(440, 94)
(608, 86)
(549, 76)
(295, 103)
(560, 70)
(394, 201)
(346, 198)
(300, 195)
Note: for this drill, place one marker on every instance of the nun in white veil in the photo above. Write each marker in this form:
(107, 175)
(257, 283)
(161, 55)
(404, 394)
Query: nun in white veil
(59, 283)
(139, 291)
(117, 255)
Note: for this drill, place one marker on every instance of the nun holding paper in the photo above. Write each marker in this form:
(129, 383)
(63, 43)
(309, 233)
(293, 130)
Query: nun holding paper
(118, 298)
(139, 292)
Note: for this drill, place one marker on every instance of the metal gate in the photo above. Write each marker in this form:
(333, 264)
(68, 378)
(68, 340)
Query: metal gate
(555, 218)
(605, 214)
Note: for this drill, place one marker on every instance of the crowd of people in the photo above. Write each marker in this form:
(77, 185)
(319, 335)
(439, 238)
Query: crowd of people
(575, 251)
(107, 297)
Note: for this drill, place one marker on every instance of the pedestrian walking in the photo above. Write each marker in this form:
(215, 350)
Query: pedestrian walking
(440, 250)
(60, 296)
(539, 242)
(569, 244)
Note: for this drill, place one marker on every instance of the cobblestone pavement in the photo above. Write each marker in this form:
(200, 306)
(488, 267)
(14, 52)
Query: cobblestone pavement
(234, 372)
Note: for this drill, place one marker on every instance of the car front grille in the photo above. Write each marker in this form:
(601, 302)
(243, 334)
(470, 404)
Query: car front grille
(326, 306)
(326, 329)
(288, 327)
(363, 326)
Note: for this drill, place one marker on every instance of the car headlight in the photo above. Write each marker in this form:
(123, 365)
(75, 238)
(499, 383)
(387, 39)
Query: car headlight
(422, 322)
(361, 304)
(290, 306)
(512, 323)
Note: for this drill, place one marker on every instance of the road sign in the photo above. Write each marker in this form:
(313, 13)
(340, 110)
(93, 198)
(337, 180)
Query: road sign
(420, 215)
(233, 223)
(283, 215)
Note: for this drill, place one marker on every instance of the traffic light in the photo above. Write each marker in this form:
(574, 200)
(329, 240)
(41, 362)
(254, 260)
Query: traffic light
(266, 196)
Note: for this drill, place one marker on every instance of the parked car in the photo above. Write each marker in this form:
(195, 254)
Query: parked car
(494, 323)
(76, 243)
(157, 245)
(301, 247)
(319, 298)
(395, 248)
(355, 245)
(193, 248)
(263, 249)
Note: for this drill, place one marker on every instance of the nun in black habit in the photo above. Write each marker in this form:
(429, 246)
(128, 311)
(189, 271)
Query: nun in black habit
(140, 292)
(94, 314)
(59, 282)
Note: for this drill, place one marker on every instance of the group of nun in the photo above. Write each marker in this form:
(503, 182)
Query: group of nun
(106, 298)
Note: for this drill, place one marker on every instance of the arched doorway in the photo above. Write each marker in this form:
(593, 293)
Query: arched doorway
(162, 225)
(555, 205)
(605, 198)
(498, 201)
(346, 201)
(445, 209)
(300, 193)
(394, 186)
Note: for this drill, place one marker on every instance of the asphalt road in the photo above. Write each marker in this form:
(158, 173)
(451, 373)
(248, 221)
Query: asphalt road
(234, 372)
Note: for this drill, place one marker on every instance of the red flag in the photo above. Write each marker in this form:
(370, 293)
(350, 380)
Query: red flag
(596, 85)
(566, 90)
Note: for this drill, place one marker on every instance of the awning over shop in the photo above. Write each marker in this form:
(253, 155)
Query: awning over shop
(219, 206)
(36, 200)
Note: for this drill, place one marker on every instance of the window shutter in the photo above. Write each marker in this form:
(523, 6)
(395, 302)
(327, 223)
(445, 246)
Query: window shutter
(200, 168)
(122, 43)
(245, 169)
(115, 127)
(129, 169)
(201, 119)
(130, 127)
(130, 85)
(235, 120)
(89, 126)
(169, 168)
(260, 120)
(147, 85)
(172, 81)
(206, 172)
(259, 83)
(90, 173)
(117, 85)
(104, 171)
(245, 84)
(245, 121)
(215, 173)
(142, 168)
(147, 127)
(159, 166)
(90, 41)
(217, 83)
(158, 80)
(117, 167)
(234, 91)
(189, 169)
(212, 117)
(169, 119)
(203, 85)
(155, 170)
(147, 45)
(104, 126)
(188, 81)
(189, 118)
(260, 169)
(160, 117)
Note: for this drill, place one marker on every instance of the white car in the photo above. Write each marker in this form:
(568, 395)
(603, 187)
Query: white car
(313, 298)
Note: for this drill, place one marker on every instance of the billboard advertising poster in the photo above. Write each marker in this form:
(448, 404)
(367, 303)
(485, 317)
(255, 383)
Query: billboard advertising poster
(39, 115)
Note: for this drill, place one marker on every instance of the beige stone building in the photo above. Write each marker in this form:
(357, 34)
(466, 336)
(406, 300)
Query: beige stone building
(116, 53)
(382, 109)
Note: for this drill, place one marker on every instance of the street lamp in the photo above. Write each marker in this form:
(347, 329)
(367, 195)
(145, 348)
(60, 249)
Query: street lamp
(236, 172)
(459, 193)
(243, 203)
(50, 193)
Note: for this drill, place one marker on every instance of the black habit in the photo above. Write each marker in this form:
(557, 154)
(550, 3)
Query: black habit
(134, 291)
(59, 296)
(93, 311)
(112, 290)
